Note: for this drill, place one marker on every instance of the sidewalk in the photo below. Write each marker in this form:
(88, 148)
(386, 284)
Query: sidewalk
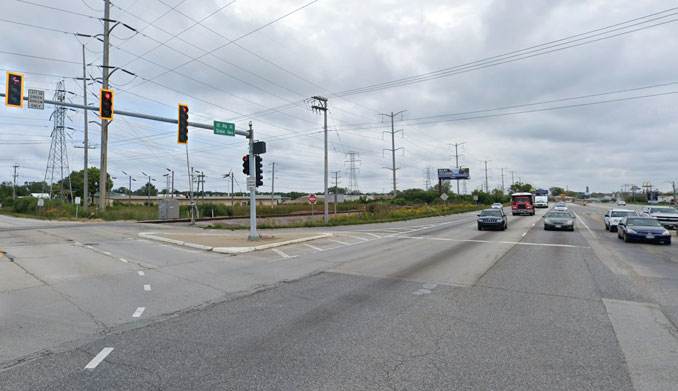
(232, 243)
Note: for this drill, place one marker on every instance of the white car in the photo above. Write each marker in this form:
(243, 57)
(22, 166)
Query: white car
(613, 216)
(497, 205)
(561, 207)
(621, 203)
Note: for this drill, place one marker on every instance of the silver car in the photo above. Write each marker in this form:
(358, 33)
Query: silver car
(558, 220)
(613, 216)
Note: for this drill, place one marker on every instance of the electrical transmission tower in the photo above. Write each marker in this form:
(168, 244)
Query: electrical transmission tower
(393, 149)
(57, 170)
(352, 171)
(427, 178)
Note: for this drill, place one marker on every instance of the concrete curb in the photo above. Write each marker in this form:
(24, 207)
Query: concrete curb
(231, 250)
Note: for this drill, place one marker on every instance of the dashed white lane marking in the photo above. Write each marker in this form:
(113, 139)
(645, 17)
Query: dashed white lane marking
(107, 253)
(313, 247)
(585, 226)
(140, 272)
(371, 234)
(147, 287)
(98, 358)
(90, 247)
(138, 312)
(492, 241)
(338, 241)
(533, 224)
(358, 237)
(422, 292)
(282, 254)
(523, 235)
(78, 243)
(124, 260)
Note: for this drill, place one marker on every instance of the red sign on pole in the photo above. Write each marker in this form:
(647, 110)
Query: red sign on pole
(312, 199)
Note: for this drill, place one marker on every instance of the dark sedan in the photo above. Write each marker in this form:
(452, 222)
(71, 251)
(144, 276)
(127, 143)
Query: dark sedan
(643, 229)
(492, 218)
(559, 220)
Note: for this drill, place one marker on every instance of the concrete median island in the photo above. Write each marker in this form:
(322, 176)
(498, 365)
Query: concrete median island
(232, 243)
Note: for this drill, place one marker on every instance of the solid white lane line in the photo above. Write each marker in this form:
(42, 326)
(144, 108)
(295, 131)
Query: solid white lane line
(585, 226)
(371, 234)
(648, 340)
(124, 260)
(147, 287)
(339, 241)
(312, 246)
(141, 273)
(358, 237)
(98, 358)
(138, 312)
(282, 254)
(493, 241)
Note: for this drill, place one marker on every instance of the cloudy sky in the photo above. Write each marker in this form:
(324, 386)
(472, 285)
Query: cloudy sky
(557, 93)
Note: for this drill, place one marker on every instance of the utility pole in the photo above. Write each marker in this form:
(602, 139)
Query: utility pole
(502, 180)
(129, 190)
(104, 123)
(149, 187)
(15, 176)
(456, 158)
(393, 148)
(272, 182)
(322, 106)
(352, 171)
(427, 178)
(512, 181)
(336, 189)
(86, 145)
(487, 187)
(230, 174)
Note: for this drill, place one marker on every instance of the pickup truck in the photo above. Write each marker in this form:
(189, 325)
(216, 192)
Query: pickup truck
(667, 216)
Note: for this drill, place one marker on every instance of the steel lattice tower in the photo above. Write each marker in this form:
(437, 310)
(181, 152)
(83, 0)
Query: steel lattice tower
(57, 162)
(352, 171)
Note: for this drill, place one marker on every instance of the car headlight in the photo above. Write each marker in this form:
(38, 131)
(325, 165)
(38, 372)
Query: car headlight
(568, 222)
(629, 230)
(547, 221)
(666, 232)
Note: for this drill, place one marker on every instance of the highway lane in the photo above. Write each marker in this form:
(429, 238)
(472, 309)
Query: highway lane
(425, 304)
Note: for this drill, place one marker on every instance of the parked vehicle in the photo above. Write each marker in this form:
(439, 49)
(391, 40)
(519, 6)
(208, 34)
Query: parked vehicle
(667, 216)
(642, 229)
(613, 216)
(558, 220)
(561, 206)
(492, 218)
(621, 203)
(522, 204)
(498, 205)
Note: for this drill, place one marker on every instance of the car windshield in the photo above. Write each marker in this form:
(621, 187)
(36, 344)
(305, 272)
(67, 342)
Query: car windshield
(491, 213)
(663, 210)
(622, 213)
(522, 199)
(559, 215)
(643, 222)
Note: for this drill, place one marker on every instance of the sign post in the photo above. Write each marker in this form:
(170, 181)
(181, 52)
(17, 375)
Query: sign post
(77, 203)
(312, 200)
(444, 197)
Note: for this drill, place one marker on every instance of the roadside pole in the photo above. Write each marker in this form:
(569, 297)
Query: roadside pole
(252, 187)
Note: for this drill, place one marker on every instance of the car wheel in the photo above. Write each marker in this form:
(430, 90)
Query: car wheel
(546, 228)
(626, 237)
(619, 235)
(480, 227)
(607, 227)
(503, 227)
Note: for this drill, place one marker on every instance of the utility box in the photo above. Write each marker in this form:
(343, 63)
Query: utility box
(168, 208)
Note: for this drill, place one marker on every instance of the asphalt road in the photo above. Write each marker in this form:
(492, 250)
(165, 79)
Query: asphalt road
(423, 304)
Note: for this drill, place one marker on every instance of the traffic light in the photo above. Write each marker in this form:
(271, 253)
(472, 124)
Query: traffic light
(259, 168)
(14, 94)
(182, 137)
(246, 165)
(106, 104)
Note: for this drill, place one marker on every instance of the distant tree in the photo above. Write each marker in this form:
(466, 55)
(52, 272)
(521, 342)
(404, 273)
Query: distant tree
(519, 187)
(143, 190)
(77, 182)
(556, 191)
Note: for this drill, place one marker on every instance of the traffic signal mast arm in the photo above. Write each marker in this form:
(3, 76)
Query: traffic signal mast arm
(135, 115)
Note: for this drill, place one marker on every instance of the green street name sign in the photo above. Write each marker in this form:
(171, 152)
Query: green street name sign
(224, 128)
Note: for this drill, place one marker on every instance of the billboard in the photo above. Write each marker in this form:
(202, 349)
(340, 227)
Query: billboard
(454, 173)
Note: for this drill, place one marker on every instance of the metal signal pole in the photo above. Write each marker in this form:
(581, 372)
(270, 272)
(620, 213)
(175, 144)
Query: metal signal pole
(252, 184)
(84, 95)
(322, 106)
(103, 176)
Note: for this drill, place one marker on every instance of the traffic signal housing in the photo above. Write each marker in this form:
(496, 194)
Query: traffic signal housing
(259, 168)
(106, 104)
(182, 136)
(246, 165)
(14, 94)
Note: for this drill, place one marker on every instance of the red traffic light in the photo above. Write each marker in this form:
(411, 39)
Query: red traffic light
(185, 109)
(107, 95)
